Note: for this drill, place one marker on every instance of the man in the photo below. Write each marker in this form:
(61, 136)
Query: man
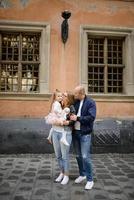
(83, 127)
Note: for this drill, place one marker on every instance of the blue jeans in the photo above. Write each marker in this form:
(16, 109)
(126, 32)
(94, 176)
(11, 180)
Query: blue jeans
(62, 150)
(82, 144)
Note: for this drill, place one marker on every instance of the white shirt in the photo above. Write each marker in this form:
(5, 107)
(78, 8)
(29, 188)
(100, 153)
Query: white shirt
(77, 123)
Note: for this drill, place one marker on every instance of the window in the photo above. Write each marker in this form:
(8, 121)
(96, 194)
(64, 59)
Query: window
(106, 60)
(105, 65)
(20, 59)
(24, 58)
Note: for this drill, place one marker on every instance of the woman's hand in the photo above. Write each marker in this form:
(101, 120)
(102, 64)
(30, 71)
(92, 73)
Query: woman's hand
(65, 122)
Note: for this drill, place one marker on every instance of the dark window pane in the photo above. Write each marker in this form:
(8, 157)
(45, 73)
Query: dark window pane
(30, 47)
(115, 51)
(90, 69)
(95, 60)
(120, 89)
(101, 60)
(94, 82)
(29, 78)
(97, 46)
(10, 46)
(9, 77)
(101, 76)
(115, 79)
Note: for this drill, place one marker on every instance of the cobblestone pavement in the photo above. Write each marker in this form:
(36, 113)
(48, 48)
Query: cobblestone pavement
(31, 177)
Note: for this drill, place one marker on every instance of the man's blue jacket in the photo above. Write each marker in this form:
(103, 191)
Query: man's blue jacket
(88, 114)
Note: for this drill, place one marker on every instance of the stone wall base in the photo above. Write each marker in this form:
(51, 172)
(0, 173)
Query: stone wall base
(29, 136)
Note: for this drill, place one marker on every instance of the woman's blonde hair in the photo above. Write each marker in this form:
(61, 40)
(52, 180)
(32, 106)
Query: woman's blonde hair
(70, 98)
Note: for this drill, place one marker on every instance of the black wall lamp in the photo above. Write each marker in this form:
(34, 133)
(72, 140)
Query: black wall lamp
(64, 26)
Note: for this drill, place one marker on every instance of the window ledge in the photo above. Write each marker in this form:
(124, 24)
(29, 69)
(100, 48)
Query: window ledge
(25, 96)
(112, 97)
(46, 97)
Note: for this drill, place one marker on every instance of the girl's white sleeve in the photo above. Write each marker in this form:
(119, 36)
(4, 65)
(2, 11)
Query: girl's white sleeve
(57, 109)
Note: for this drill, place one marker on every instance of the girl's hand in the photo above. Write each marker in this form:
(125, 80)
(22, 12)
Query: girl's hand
(58, 123)
(65, 122)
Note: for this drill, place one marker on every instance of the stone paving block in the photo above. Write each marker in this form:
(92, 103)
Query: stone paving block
(99, 195)
(29, 174)
(41, 191)
(113, 189)
(27, 180)
(118, 196)
(21, 197)
(100, 166)
(129, 191)
(43, 183)
(109, 183)
(117, 173)
(131, 175)
(104, 176)
(112, 168)
(44, 177)
(3, 197)
(102, 171)
(13, 177)
(5, 188)
(131, 194)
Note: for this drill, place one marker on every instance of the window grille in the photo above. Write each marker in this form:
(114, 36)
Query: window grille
(19, 62)
(105, 65)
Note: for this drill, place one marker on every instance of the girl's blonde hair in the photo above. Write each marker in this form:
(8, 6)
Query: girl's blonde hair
(53, 98)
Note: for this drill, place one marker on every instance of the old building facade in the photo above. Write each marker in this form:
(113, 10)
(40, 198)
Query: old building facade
(98, 54)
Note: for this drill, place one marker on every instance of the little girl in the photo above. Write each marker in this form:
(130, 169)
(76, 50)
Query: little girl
(57, 115)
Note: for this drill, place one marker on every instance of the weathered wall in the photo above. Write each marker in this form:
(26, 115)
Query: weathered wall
(64, 61)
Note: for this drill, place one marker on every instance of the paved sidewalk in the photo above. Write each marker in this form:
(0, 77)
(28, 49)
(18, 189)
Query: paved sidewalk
(31, 177)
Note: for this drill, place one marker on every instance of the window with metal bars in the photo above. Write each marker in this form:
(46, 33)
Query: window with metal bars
(19, 62)
(105, 65)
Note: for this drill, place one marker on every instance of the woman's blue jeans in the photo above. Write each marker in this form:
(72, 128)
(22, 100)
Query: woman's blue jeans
(82, 145)
(62, 150)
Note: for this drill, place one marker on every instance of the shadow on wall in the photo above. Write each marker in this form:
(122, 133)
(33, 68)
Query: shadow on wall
(29, 136)
(24, 136)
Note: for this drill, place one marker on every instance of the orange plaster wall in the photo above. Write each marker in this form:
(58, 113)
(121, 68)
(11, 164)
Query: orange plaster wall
(24, 109)
(64, 61)
(115, 109)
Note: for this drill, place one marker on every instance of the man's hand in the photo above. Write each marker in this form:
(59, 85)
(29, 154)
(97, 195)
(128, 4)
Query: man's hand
(73, 117)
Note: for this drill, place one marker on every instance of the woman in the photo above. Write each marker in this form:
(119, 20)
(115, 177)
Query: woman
(62, 150)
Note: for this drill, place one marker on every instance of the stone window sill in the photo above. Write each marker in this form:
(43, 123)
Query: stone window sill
(25, 96)
(112, 97)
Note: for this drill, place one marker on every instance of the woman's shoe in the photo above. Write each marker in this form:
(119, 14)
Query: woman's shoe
(59, 178)
(65, 180)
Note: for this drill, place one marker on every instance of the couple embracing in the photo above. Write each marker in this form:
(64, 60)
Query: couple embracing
(72, 117)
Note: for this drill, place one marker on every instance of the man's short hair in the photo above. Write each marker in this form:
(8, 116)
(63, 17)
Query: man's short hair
(81, 89)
